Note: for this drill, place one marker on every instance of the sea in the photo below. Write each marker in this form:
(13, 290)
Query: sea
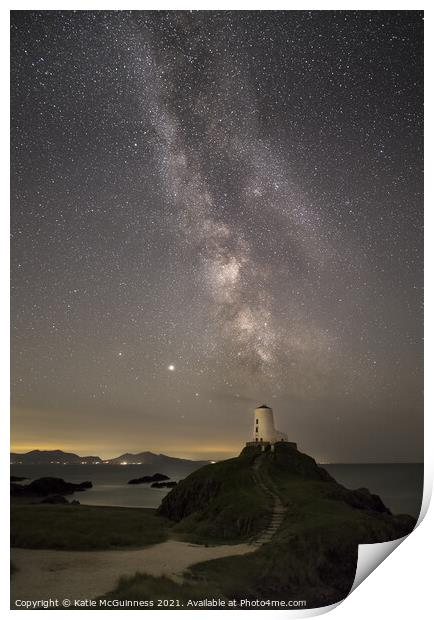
(400, 485)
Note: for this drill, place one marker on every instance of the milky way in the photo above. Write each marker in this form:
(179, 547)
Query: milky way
(212, 209)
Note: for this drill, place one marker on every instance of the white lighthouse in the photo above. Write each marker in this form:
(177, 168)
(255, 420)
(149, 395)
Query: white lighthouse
(264, 431)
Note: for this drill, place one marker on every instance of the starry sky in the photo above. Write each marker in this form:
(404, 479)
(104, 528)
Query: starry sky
(212, 210)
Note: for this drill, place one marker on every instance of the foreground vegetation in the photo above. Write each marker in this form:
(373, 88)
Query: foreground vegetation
(149, 588)
(49, 526)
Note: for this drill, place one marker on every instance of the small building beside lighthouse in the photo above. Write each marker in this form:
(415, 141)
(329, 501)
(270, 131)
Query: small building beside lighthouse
(264, 431)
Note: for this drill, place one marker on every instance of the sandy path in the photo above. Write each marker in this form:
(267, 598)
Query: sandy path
(46, 573)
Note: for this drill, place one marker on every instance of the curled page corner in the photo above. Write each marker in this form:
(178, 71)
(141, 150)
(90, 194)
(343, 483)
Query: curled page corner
(427, 493)
(292, 613)
(315, 611)
(372, 555)
(309, 613)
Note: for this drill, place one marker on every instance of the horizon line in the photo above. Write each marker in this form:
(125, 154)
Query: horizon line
(421, 462)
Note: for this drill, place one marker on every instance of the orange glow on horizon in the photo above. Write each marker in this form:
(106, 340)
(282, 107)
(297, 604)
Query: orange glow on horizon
(205, 452)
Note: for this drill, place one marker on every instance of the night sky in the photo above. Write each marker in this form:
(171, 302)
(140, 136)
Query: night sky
(212, 210)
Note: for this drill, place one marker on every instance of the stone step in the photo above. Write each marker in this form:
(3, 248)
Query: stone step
(278, 511)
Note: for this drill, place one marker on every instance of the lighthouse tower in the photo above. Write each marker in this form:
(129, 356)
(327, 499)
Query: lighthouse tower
(264, 431)
(264, 426)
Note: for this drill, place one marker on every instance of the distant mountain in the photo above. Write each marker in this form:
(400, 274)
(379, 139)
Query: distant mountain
(142, 458)
(158, 462)
(46, 457)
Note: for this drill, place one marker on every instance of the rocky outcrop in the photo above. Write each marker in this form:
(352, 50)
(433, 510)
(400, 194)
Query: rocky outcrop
(55, 499)
(146, 479)
(48, 486)
(192, 496)
(362, 499)
(59, 499)
(163, 485)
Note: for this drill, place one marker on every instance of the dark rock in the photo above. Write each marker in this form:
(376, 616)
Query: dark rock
(193, 495)
(361, 499)
(365, 500)
(85, 485)
(48, 486)
(18, 478)
(162, 485)
(55, 499)
(75, 502)
(147, 479)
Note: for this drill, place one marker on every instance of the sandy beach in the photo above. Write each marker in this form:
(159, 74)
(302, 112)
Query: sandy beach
(43, 573)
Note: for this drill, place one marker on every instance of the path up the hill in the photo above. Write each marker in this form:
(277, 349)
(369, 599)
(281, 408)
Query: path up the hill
(277, 508)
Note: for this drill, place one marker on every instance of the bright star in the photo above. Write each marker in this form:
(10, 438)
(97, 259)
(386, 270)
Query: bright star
(171, 367)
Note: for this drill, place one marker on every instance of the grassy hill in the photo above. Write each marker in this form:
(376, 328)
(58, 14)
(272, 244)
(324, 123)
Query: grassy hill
(218, 503)
(313, 555)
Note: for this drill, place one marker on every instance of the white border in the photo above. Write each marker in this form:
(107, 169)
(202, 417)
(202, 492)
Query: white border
(401, 587)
